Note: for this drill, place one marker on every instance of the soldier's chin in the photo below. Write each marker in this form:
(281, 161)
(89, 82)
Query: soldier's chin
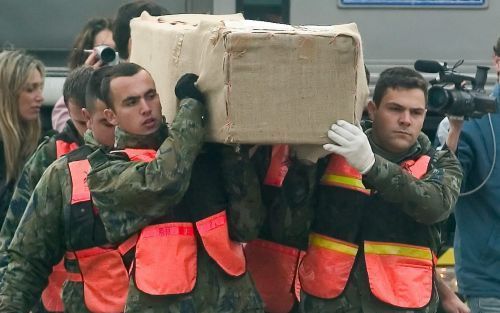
(399, 145)
(148, 130)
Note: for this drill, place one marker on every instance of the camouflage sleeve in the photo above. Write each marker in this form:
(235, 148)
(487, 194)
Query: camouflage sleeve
(35, 247)
(427, 200)
(130, 195)
(31, 174)
(246, 212)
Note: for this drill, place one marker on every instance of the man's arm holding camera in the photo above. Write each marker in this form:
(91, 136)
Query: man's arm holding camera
(456, 124)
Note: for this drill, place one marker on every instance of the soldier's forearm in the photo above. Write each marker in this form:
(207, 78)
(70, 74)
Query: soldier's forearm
(427, 200)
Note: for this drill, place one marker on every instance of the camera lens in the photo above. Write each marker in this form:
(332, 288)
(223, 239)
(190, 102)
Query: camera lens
(107, 55)
(438, 98)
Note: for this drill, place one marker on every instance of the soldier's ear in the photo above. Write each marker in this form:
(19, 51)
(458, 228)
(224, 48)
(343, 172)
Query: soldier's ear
(111, 117)
(86, 115)
(372, 108)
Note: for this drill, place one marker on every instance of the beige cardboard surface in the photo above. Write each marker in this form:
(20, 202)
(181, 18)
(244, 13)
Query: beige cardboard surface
(265, 83)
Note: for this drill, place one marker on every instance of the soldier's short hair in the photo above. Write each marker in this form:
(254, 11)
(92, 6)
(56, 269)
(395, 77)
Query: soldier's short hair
(93, 90)
(398, 78)
(119, 70)
(75, 85)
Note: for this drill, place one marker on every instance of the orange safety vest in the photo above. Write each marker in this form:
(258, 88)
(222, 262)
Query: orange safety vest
(178, 261)
(102, 269)
(51, 295)
(274, 270)
(212, 223)
(64, 147)
(399, 274)
(274, 266)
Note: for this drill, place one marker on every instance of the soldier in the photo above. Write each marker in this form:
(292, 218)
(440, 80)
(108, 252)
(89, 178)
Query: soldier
(287, 185)
(188, 258)
(61, 220)
(373, 240)
(48, 151)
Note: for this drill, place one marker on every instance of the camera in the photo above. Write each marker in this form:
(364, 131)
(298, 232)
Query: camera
(107, 55)
(458, 101)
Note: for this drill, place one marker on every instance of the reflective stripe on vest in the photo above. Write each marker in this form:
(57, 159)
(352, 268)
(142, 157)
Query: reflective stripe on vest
(278, 167)
(399, 274)
(325, 269)
(274, 270)
(339, 173)
(63, 147)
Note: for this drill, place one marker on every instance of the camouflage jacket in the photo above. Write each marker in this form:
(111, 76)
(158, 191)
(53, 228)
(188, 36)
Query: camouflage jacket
(141, 195)
(31, 174)
(289, 207)
(40, 241)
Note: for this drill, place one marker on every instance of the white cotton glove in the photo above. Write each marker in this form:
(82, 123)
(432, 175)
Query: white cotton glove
(351, 142)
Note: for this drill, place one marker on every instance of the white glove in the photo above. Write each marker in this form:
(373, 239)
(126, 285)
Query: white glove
(351, 142)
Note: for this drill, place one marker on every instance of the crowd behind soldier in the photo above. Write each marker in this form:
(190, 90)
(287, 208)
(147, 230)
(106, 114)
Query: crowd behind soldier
(95, 32)
(326, 223)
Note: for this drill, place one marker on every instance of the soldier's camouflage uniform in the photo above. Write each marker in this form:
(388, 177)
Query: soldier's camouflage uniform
(31, 174)
(289, 207)
(428, 200)
(139, 198)
(40, 242)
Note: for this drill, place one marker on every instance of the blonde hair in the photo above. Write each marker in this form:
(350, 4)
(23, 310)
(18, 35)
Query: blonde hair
(19, 137)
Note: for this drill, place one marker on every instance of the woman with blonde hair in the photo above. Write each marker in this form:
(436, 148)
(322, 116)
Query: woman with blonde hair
(21, 87)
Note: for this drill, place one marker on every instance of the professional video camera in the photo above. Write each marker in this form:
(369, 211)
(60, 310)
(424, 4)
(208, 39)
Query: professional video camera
(458, 101)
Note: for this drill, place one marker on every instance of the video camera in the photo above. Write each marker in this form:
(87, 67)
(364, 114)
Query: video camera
(458, 101)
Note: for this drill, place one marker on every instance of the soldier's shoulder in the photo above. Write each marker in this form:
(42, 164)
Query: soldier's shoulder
(47, 142)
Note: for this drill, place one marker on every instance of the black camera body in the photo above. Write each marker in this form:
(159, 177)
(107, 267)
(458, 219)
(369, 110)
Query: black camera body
(458, 101)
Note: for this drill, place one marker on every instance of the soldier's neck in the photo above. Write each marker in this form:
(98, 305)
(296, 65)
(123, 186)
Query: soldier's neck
(125, 140)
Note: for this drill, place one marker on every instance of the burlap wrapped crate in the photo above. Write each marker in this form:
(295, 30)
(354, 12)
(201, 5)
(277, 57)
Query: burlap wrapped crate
(265, 83)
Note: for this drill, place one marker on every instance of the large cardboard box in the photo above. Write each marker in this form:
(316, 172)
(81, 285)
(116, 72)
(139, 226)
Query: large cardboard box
(265, 83)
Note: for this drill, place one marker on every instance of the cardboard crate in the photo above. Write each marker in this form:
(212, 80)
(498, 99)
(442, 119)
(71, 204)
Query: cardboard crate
(265, 83)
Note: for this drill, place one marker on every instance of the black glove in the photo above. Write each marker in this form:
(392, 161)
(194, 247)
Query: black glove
(185, 88)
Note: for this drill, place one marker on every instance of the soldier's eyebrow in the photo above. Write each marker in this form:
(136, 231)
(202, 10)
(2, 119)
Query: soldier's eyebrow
(131, 99)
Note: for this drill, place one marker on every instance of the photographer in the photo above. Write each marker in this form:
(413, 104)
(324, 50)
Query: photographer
(95, 32)
(477, 214)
